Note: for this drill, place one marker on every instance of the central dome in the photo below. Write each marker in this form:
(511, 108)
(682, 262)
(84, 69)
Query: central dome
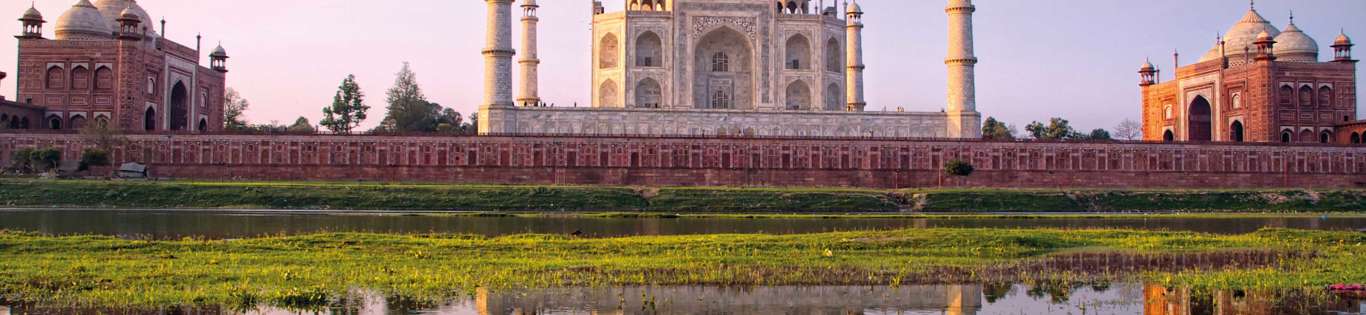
(1242, 35)
(83, 21)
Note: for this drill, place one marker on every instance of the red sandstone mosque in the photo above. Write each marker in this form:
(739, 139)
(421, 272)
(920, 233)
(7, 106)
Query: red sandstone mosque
(1258, 84)
(106, 65)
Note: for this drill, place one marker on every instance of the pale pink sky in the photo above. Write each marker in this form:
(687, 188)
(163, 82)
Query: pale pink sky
(1070, 58)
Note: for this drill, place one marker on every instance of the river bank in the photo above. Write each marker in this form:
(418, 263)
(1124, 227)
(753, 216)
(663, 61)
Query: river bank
(299, 271)
(40, 193)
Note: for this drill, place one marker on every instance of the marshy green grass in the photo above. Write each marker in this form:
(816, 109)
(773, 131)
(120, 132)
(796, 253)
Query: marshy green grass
(468, 197)
(99, 271)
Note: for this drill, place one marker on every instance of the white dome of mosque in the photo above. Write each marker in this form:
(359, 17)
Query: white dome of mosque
(83, 21)
(1293, 45)
(113, 9)
(1242, 35)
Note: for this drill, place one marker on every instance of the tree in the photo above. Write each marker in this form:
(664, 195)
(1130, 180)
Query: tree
(959, 168)
(1099, 134)
(1057, 129)
(234, 109)
(1129, 130)
(473, 126)
(994, 129)
(409, 110)
(104, 136)
(348, 107)
(301, 125)
(449, 121)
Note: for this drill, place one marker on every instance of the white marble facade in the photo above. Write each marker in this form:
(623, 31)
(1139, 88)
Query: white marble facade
(733, 67)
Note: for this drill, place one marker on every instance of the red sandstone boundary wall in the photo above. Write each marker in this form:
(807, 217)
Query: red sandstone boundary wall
(876, 163)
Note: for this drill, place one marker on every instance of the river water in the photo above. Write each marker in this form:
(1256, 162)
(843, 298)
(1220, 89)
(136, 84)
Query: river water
(163, 224)
(1002, 298)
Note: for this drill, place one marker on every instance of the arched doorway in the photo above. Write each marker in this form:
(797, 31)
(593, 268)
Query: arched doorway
(1236, 132)
(149, 119)
(1168, 136)
(1307, 136)
(203, 125)
(649, 50)
(798, 96)
(1326, 137)
(180, 107)
(723, 68)
(1287, 136)
(1199, 119)
(77, 122)
(1356, 138)
(798, 53)
(23, 123)
(648, 94)
(54, 123)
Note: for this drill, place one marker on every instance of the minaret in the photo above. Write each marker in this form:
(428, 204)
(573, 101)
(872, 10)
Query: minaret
(854, 78)
(33, 24)
(530, 63)
(963, 119)
(497, 62)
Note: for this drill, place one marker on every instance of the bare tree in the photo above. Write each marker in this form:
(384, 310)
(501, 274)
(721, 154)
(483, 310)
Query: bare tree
(1129, 130)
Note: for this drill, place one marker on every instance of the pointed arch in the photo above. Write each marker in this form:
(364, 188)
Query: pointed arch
(798, 50)
(834, 56)
(56, 77)
(1199, 120)
(648, 94)
(180, 107)
(149, 119)
(104, 78)
(1287, 95)
(649, 50)
(1236, 131)
(608, 51)
(1326, 96)
(1326, 137)
(1306, 96)
(607, 94)
(798, 96)
(80, 78)
(76, 122)
(833, 101)
(723, 70)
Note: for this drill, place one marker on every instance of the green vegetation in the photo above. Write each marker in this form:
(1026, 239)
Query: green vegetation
(111, 272)
(456, 197)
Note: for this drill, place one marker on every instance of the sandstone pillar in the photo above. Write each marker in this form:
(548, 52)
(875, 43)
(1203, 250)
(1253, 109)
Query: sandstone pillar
(854, 60)
(498, 54)
(530, 62)
(963, 119)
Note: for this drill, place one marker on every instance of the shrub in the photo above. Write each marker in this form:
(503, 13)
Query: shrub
(43, 160)
(958, 168)
(94, 157)
(21, 160)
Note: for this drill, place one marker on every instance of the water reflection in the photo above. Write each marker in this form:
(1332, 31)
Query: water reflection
(991, 298)
(174, 225)
(1044, 298)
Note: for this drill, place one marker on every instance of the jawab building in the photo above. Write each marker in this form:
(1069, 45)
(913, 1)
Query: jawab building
(107, 65)
(721, 68)
(1257, 84)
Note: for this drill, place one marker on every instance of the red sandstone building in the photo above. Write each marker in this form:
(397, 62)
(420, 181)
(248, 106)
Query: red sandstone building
(106, 65)
(1258, 84)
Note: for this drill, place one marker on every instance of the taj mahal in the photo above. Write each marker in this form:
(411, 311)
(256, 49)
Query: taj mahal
(720, 68)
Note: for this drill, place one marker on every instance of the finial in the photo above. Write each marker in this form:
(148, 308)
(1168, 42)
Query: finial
(1252, 4)
(1292, 16)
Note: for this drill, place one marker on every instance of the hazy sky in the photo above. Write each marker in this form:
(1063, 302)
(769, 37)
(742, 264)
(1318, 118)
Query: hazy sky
(1039, 58)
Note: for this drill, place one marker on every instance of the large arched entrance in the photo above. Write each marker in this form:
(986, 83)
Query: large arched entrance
(1199, 121)
(180, 107)
(723, 65)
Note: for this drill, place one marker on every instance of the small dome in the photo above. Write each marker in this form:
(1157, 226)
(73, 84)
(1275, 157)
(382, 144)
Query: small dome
(1242, 35)
(1148, 65)
(219, 51)
(32, 14)
(1342, 39)
(1293, 45)
(854, 7)
(83, 21)
(529, 3)
(130, 15)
